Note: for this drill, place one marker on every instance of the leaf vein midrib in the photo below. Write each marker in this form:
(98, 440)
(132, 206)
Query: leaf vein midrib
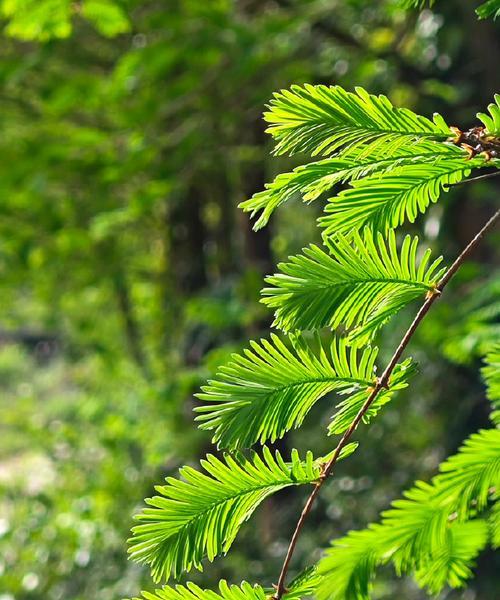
(405, 133)
(276, 390)
(247, 492)
(402, 192)
(320, 379)
(359, 282)
(397, 158)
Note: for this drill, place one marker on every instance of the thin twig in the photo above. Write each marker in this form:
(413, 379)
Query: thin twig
(382, 382)
(479, 177)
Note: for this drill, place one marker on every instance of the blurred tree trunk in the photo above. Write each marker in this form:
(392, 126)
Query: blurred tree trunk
(483, 46)
(132, 331)
(187, 238)
(257, 244)
(114, 271)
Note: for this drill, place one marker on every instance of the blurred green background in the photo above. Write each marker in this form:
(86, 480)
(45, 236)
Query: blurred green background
(129, 132)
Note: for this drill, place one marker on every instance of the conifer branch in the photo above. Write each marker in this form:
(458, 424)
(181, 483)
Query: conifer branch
(381, 383)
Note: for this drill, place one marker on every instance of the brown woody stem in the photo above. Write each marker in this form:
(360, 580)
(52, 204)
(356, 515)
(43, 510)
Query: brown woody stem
(382, 381)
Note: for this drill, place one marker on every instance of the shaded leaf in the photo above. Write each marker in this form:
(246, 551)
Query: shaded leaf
(386, 200)
(313, 179)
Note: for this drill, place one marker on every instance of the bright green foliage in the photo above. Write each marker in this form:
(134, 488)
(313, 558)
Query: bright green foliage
(348, 567)
(43, 20)
(491, 376)
(300, 587)
(386, 200)
(268, 390)
(428, 532)
(303, 585)
(492, 121)
(201, 514)
(37, 19)
(351, 563)
(359, 285)
(192, 592)
(320, 120)
(348, 408)
(313, 179)
(491, 8)
(451, 563)
(467, 477)
(398, 162)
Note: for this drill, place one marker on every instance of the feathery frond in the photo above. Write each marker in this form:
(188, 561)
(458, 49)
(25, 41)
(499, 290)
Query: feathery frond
(347, 570)
(268, 390)
(360, 284)
(201, 514)
(245, 591)
(492, 121)
(430, 526)
(469, 475)
(191, 591)
(452, 563)
(313, 179)
(386, 200)
(303, 585)
(320, 120)
(415, 526)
